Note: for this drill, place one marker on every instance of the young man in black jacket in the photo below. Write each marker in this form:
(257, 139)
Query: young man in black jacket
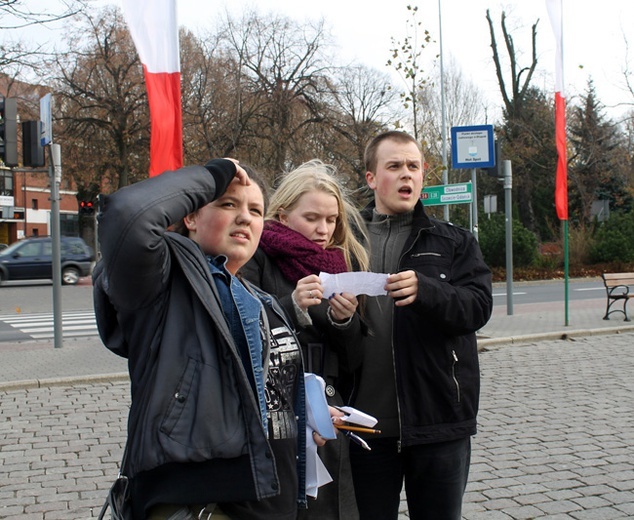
(420, 374)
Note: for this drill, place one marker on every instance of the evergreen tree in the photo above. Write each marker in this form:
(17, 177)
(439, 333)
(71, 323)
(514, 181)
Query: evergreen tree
(598, 162)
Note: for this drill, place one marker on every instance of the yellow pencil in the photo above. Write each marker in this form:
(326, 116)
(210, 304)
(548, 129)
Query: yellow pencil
(356, 428)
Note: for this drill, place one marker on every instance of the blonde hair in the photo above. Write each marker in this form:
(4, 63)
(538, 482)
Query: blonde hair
(350, 232)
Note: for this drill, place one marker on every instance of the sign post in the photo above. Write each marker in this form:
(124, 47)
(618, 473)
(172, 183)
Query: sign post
(473, 147)
(55, 173)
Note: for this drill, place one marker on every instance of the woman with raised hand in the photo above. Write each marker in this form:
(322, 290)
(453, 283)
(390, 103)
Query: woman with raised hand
(217, 419)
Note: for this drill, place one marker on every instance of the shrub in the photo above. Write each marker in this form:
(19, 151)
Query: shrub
(492, 235)
(580, 243)
(614, 240)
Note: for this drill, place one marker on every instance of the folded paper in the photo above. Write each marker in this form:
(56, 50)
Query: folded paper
(318, 420)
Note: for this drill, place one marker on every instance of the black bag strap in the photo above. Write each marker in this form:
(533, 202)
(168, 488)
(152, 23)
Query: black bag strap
(108, 503)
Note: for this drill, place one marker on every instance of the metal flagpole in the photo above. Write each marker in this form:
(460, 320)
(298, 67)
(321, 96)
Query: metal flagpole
(443, 130)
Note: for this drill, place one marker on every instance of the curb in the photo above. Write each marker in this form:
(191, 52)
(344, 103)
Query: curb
(26, 384)
(484, 342)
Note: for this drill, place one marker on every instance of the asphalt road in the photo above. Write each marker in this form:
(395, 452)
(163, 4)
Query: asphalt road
(549, 291)
(29, 297)
(37, 296)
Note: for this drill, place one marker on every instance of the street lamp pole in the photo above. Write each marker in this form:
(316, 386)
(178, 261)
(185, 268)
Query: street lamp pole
(445, 171)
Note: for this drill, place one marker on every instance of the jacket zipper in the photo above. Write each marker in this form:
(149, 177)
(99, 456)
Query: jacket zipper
(453, 373)
(428, 253)
(399, 442)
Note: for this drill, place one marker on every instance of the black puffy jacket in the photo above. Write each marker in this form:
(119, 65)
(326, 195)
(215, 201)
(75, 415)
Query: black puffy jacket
(193, 410)
(434, 338)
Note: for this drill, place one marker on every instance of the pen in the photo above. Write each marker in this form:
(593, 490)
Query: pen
(358, 440)
(356, 428)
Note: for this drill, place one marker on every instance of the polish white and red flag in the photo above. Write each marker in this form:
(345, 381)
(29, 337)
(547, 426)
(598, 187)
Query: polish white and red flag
(154, 29)
(555, 14)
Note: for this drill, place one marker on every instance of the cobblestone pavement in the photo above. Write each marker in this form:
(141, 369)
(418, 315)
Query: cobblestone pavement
(555, 437)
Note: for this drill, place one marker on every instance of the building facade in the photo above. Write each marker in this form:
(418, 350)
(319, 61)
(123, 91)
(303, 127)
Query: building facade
(25, 203)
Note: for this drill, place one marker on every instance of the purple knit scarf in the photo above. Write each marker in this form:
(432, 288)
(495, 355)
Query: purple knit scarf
(297, 256)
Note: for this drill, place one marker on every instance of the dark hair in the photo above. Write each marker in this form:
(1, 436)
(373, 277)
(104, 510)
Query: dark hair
(258, 179)
(255, 176)
(369, 157)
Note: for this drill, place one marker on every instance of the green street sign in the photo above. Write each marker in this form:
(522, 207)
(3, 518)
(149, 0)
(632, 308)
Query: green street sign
(447, 194)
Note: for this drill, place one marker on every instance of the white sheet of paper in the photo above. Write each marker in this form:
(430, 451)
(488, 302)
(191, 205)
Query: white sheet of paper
(372, 284)
(357, 417)
(316, 473)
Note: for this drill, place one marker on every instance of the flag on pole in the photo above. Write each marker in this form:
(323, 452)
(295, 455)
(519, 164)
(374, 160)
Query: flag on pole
(554, 8)
(154, 29)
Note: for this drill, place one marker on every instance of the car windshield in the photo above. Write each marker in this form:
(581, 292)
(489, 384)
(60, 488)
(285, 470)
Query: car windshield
(11, 249)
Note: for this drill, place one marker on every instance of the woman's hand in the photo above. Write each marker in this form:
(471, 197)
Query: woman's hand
(342, 306)
(336, 416)
(308, 292)
(241, 175)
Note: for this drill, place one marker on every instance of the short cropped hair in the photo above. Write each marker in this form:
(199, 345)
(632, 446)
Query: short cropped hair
(369, 157)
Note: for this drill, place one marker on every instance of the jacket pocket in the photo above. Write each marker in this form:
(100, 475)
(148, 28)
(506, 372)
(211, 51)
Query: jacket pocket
(434, 264)
(204, 418)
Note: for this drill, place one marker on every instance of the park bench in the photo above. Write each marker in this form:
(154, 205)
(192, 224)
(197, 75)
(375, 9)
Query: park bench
(617, 289)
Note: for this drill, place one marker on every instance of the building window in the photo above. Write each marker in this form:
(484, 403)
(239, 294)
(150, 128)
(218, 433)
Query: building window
(69, 225)
(6, 183)
(34, 204)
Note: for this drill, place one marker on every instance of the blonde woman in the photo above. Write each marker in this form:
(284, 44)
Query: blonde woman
(311, 227)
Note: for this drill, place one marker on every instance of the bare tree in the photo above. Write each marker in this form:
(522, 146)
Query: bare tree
(363, 103)
(219, 107)
(513, 98)
(463, 105)
(517, 129)
(406, 60)
(101, 104)
(285, 69)
(17, 55)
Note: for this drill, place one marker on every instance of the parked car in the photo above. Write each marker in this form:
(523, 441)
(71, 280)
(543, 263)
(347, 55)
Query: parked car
(32, 259)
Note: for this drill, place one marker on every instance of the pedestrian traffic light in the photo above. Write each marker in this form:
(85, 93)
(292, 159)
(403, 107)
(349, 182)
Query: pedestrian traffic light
(86, 207)
(32, 149)
(8, 131)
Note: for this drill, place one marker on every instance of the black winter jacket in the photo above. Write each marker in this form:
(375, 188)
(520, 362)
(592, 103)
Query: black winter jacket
(194, 416)
(433, 339)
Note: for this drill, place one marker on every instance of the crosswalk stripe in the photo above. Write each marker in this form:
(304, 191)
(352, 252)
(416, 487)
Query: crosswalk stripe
(17, 318)
(41, 325)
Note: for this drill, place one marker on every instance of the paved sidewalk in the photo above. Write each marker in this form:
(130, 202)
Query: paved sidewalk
(555, 436)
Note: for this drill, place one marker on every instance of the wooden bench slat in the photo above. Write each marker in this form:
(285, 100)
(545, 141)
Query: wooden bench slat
(624, 277)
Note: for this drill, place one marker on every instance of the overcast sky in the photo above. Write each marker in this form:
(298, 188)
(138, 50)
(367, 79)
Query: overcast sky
(595, 36)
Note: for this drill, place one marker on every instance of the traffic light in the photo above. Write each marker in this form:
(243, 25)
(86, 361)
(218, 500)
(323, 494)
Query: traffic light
(86, 207)
(8, 131)
(32, 149)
